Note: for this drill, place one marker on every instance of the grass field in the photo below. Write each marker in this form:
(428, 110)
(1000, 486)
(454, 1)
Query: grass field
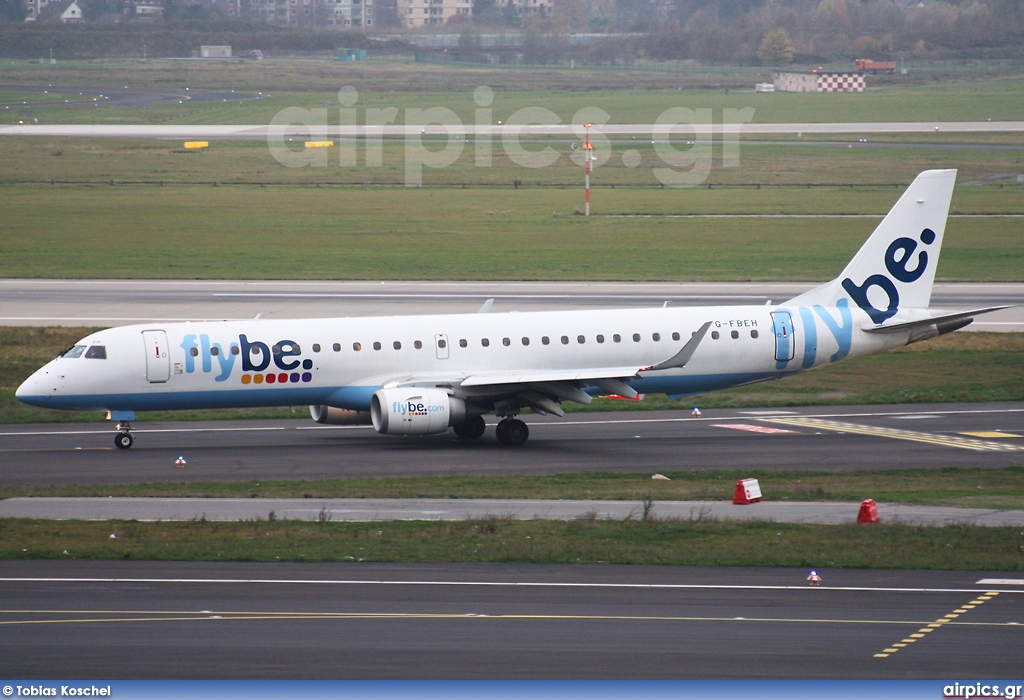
(959, 487)
(677, 543)
(100, 161)
(629, 97)
(957, 367)
(392, 233)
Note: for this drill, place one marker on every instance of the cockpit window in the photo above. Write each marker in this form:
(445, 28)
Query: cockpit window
(96, 352)
(75, 352)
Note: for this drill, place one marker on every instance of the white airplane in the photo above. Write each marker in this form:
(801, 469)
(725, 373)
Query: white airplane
(420, 375)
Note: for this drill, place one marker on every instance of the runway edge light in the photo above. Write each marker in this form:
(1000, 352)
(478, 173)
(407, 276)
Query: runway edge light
(813, 578)
(747, 491)
(868, 512)
(180, 462)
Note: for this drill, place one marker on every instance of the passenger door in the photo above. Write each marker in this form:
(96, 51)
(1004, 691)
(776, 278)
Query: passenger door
(158, 359)
(785, 343)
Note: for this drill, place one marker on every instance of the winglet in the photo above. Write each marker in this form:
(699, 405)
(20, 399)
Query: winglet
(486, 308)
(683, 356)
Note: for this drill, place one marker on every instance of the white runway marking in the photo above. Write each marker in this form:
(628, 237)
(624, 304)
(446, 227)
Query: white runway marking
(494, 584)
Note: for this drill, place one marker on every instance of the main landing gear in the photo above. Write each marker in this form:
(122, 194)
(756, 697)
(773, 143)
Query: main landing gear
(512, 431)
(124, 438)
(471, 428)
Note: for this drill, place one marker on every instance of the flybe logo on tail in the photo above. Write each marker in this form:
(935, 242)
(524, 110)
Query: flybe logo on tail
(254, 356)
(904, 248)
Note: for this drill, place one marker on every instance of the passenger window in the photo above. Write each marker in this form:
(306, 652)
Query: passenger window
(565, 340)
(545, 340)
(441, 343)
(234, 350)
(714, 335)
(463, 343)
(657, 337)
(617, 338)
(675, 336)
(355, 346)
(74, 352)
(337, 347)
(485, 342)
(276, 349)
(316, 347)
(753, 334)
(98, 352)
(506, 342)
(396, 345)
(735, 335)
(194, 352)
(526, 341)
(417, 344)
(213, 351)
(600, 338)
(581, 339)
(376, 345)
(636, 337)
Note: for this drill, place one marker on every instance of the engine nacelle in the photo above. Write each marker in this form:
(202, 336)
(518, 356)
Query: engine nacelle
(329, 415)
(415, 411)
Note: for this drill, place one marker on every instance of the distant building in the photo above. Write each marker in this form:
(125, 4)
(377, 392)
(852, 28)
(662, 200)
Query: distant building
(346, 13)
(429, 13)
(215, 52)
(72, 14)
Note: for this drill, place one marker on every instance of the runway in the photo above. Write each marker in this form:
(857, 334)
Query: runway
(129, 620)
(33, 302)
(838, 438)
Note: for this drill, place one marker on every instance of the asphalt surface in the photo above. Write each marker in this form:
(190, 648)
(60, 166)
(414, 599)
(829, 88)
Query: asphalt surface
(384, 509)
(837, 438)
(119, 302)
(131, 620)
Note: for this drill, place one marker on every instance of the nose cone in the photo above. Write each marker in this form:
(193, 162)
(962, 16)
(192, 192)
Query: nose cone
(32, 389)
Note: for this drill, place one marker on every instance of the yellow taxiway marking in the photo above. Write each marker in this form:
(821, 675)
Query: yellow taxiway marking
(912, 435)
(932, 626)
(988, 434)
(99, 616)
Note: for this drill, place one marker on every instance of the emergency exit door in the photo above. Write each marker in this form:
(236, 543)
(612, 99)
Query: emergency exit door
(158, 359)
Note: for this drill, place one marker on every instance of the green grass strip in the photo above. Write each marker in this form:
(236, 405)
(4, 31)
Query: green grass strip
(679, 543)
(954, 486)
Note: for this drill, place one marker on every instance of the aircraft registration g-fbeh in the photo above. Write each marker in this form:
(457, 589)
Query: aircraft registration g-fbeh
(421, 375)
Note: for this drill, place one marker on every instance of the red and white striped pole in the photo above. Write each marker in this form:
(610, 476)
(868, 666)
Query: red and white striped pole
(588, 149)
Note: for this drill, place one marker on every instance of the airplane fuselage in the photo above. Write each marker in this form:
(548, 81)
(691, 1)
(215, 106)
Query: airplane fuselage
(341, 362)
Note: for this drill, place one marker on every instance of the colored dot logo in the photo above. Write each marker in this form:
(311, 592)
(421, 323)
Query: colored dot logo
(277, 378)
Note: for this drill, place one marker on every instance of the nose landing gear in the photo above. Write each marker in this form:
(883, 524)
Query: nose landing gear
(124, 438)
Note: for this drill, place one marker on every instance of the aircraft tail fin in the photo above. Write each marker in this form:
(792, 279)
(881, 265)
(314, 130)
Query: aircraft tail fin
(895, 268)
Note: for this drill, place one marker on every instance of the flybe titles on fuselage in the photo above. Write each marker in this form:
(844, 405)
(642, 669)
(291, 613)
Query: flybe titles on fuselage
(257, 362)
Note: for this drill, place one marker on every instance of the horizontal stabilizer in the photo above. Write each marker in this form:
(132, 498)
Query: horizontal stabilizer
(938, 321)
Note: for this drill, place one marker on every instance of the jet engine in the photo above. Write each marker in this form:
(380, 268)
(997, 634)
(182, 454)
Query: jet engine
(414, 411)
(329, 415)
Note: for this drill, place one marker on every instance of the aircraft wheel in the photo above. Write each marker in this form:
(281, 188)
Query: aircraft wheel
(471, 428)
(124, 440)
(512, 432)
